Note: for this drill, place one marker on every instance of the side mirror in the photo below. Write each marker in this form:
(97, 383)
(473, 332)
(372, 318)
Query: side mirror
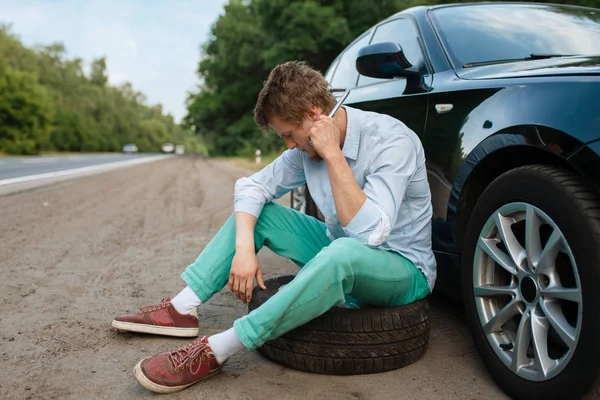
(387, 61)
(383, 60)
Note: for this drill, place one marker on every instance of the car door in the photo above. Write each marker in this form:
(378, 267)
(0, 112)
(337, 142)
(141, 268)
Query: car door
(394, 97)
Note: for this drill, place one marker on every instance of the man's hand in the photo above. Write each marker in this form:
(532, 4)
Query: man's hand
(244, 268)
(325, 137)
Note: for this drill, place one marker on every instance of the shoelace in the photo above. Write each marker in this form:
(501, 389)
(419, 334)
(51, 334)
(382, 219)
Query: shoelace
(190, 353)
(163, 303)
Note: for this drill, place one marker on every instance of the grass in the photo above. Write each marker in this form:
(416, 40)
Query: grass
(249, 162)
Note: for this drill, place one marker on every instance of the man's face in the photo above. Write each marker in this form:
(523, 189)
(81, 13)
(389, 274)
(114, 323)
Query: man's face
(295, 135)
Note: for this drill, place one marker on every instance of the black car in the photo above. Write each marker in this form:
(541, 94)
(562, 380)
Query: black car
(506, 100)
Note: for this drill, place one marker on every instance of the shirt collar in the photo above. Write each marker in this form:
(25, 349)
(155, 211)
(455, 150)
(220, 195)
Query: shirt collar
(353, 130)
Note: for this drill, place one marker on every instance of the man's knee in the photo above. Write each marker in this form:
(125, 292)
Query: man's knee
(346, 243)
(343, 251)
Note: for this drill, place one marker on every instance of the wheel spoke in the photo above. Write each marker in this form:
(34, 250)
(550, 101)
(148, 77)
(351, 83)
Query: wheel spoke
(506, 313)
(490, 291)
(490, 248)
(539, 329)
(556, 318)
(533, 244)
(515, 250)
(299, 199)
(569, 294)
(548, 256)
(522, 341)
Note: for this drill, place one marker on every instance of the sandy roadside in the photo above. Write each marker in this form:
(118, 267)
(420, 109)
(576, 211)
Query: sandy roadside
(112, 243)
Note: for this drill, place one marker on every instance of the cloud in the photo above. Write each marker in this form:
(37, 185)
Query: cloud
(154, 45)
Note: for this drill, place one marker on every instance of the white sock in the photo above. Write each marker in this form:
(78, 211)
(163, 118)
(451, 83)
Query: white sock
(225, 344)
(186, 302)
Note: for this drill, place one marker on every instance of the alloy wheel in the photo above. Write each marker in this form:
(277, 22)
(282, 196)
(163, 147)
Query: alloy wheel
(527, 291)
(299, 199)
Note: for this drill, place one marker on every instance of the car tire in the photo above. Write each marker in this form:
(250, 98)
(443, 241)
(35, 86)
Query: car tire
(549, 205)
(346, 341)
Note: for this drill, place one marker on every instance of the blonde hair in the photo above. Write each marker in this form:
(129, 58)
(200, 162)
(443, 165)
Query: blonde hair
(290, 92)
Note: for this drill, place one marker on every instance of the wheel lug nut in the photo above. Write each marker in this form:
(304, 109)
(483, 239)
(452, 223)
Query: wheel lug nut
(506, 346)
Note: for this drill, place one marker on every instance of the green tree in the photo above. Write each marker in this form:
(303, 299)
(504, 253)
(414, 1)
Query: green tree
(98, 75)
(304, 30)
(25, 112)
(14, 53)
(232, 71)
(48, 103)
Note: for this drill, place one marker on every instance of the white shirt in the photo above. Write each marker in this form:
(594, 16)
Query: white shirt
(388, 163)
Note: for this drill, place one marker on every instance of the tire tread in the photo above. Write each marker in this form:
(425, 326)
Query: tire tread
(570, 190)
(350, 341)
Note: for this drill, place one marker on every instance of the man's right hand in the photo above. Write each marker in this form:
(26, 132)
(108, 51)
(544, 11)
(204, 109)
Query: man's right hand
(244, 268)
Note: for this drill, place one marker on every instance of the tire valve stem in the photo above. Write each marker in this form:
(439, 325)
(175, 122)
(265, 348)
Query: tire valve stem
(506, 346)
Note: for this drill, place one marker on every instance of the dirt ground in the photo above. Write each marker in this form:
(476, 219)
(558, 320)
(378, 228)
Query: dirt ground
(75, 254)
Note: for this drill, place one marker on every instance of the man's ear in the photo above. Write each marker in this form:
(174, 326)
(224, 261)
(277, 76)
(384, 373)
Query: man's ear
(315, 114)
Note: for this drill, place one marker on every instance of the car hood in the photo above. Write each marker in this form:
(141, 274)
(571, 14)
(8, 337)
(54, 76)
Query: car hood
(589, 65)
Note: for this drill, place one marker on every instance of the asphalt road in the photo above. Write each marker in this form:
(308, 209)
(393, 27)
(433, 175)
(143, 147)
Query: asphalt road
(15, 167)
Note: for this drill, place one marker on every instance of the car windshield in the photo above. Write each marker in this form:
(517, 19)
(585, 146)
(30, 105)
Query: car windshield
(486, 33)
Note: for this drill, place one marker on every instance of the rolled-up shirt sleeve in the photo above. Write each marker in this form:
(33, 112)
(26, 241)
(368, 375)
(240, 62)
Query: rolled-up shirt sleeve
(385, 187)
(285, 173)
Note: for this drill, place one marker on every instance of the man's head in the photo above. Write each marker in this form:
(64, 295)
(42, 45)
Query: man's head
(290, 101)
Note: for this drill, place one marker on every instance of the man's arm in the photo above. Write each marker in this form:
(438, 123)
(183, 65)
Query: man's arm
(285, 173)
(244, 232)
(366, 214)
(244, 266)
(347, 195)
(251, 194)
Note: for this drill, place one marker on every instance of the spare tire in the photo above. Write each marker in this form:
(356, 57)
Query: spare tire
(349, 341)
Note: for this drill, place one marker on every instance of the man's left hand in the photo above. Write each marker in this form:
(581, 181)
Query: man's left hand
(325, 137)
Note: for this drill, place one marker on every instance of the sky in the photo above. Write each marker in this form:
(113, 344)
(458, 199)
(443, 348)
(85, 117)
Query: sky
(154, 44)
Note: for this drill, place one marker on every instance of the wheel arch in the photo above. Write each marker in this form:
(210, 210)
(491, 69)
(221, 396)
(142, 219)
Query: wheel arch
(494, 156)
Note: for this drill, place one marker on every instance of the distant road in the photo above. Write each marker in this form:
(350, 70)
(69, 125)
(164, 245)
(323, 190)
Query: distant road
(18, 167)
(24, 173)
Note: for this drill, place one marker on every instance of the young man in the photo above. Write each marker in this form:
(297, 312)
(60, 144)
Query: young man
(366, 173)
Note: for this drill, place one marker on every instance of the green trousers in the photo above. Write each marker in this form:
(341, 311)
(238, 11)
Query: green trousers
(329, 272)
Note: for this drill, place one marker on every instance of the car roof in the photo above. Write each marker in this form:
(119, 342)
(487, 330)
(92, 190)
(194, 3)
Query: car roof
(418, 9)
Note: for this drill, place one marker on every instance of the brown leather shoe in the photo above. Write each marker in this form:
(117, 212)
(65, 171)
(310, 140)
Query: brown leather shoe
(159, 319)
(176, 370)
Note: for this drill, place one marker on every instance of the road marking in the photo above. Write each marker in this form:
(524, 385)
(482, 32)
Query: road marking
(74, 171)
(1, 162)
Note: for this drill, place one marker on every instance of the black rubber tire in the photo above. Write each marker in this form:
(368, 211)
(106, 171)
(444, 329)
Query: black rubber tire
(346, 341)
(575, 207)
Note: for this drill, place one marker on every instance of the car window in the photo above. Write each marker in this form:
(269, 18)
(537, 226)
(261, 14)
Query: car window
(345, 75)
(495, 32)
(403, 32)
(331, 70)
